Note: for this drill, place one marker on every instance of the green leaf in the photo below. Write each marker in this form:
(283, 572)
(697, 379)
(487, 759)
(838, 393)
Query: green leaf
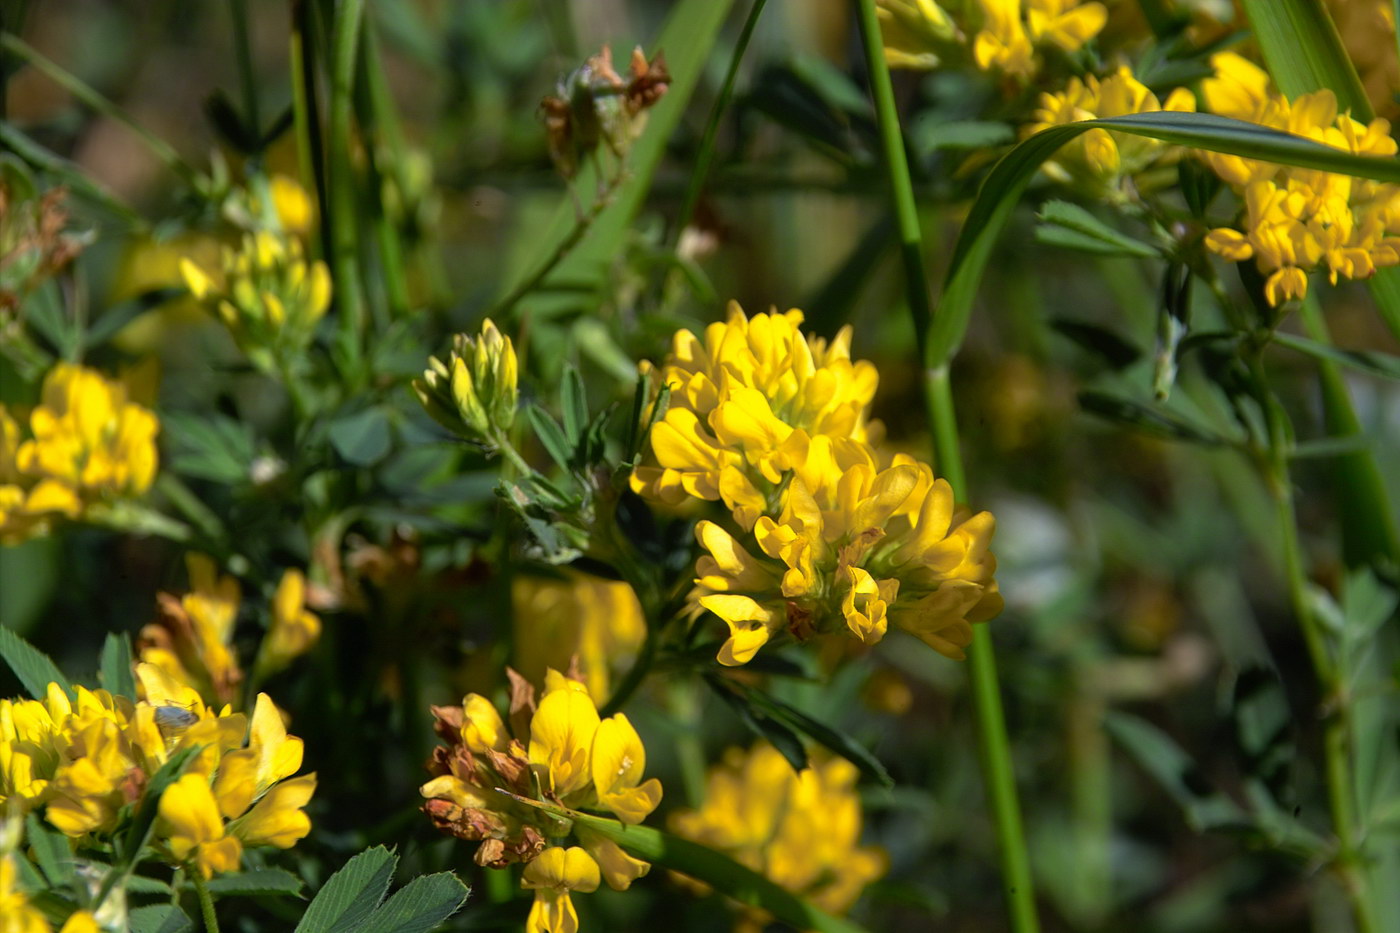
(209, 446)
(1204, 806)
(832, 739)
(574, 401)
(362, 438)
(1371, 362)
(1116, 351)
(716, 870)
(159, 918)
(1008, 180)
(350, 895)
(1072, 226)
(140, 884)
(123, 313)
(929, 134)
(115, 675)
(34, 669)
(420, 905)
(134, 840)
(51, 851)
(785, 740)
(551, 436)
(1147, 419)
(259, 881)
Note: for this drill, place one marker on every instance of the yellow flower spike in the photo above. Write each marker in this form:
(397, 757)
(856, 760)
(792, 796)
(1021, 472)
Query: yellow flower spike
(618, 762)
(469, 404)
(277, 819)
(561, 738)
(553, 875)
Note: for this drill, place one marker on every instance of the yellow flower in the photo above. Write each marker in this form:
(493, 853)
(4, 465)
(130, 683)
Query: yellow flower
(294, 629)
(552, 876)
(192, 640)
(194, 829)
(576, 615)
(1099, 161)
(915, 32)
(295, 210)
(800, 830)
(88, 444)
(267, 295)
(618, 762)
(855, 544)
(474, 392)
(1367, 28)
(561, 740)
(1297, 220)
(745, 404)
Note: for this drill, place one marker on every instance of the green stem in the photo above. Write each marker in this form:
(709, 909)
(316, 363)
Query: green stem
(386, 127)
(706, 154)
(246, 76)
(986, 693)
(206, 902)
(310, 151)
(345, 271)
(88, 95)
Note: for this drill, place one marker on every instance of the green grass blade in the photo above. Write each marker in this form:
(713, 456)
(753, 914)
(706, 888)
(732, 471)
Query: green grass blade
(1304, 52)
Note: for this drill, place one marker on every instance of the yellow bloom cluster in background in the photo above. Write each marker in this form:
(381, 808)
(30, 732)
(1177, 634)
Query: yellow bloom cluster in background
(559, 751)
(1099, 162)
(474, 391)
(557, 619)
(267, 294)
(1003, 36)
(1297, 220)
(775, 424)
(83, 761)
(1367, 28)
(800, 830)
(191, 640)
(85, 445)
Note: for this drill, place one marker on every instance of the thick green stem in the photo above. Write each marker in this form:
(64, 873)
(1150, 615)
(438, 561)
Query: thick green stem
(986, 693)
(706, 154)
(206, 902)
(310, 152)
(345, 248)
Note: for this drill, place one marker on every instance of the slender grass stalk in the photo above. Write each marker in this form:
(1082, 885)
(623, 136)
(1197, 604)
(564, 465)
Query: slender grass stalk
(991, 721)
(706, 154)
(247, 78)
(90, 96)
(345, 247)
(311, 159)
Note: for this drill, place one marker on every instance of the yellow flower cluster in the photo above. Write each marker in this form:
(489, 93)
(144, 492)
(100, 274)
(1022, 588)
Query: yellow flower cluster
(775, 424)
(1367, 28)
(802, 831)
(474, 392)
(18, 915)
(192, 640)
(557, 619)
(86, 445)
(267, 294)
(559, 752)
(1099, 162)
(1001, 35)
(1297, 220)
(85, 760)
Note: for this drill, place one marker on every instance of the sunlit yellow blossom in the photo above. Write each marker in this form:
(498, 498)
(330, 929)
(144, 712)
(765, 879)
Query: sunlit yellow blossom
(1100, 161)
(194, 829)
(745, 403)
(1298, 220)
(267, 294)
(294, 629)
(553, 875)
(474, 391)
(87, 445)
(562, 754)
(576, 615)
(1000, 35)
(800, 830)
(856, 545)
(295, 210)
